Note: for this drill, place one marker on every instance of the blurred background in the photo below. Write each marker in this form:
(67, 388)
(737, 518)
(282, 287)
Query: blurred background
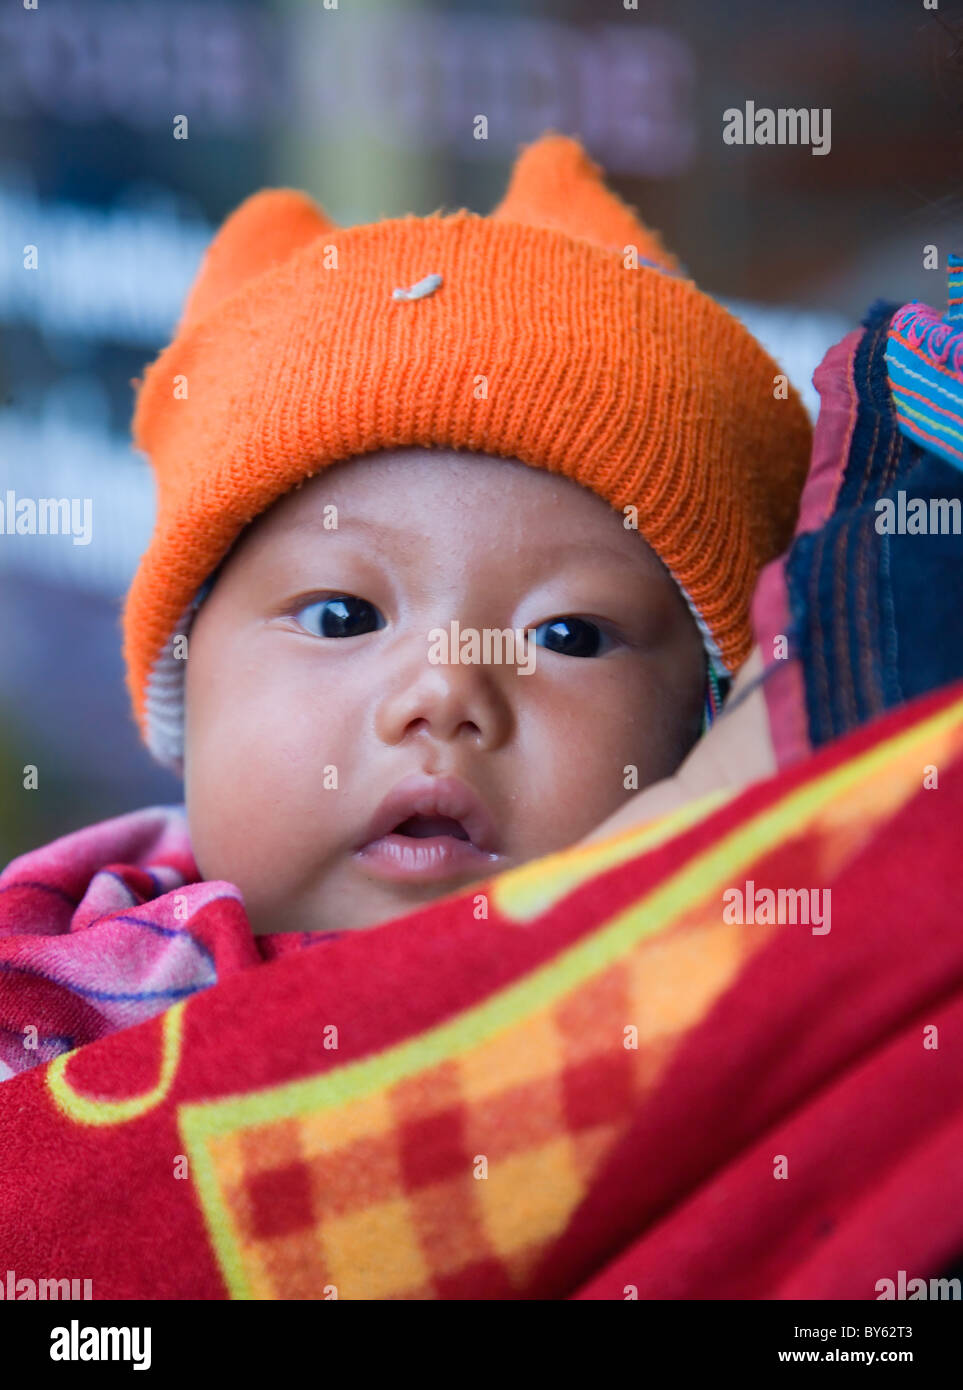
(371, 106)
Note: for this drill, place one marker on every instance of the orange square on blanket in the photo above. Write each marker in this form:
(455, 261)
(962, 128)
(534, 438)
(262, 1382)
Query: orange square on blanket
(446, 1166)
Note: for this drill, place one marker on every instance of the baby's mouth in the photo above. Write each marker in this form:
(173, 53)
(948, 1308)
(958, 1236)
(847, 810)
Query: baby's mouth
(430, 829)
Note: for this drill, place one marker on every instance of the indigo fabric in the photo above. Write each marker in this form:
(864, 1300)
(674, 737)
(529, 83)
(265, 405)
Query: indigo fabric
(873, 582)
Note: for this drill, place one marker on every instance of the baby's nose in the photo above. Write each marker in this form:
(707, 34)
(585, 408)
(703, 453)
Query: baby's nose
(446, 701)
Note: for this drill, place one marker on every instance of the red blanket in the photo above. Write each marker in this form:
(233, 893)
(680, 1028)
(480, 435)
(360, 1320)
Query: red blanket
(607, 1074)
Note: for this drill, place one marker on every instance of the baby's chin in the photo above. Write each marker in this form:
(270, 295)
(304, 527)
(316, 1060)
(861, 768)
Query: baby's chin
(397, 872)
(368, 889)
(396, 896)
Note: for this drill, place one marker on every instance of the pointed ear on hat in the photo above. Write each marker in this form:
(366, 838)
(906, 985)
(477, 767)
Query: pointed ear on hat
(263, 230)
(555, 184)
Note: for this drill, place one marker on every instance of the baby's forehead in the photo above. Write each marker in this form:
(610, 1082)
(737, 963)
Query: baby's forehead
(417, 492)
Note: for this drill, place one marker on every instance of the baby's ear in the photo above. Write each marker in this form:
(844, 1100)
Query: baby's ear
(262, 231)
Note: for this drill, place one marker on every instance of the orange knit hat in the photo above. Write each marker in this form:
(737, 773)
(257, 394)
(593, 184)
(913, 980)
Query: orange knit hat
(303, 344)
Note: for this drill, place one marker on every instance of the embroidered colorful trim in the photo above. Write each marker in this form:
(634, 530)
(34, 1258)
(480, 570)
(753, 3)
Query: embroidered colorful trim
(924, 360)
(954, 296)
(717, 688)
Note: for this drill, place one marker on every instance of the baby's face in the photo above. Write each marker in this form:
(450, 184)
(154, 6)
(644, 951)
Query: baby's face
(350, 754)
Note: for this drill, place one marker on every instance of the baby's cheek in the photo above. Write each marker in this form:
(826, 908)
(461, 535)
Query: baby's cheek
(660, 739)
(226, 779)
(263, 811)
(624, 736)
(221, 819)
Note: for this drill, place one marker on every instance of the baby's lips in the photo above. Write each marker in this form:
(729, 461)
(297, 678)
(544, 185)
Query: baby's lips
(421, 795)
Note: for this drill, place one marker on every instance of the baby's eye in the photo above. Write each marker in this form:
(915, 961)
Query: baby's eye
(343, 616)
(570, 637)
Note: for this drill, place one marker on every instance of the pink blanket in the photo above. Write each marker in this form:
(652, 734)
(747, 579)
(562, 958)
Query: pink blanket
(110, 926)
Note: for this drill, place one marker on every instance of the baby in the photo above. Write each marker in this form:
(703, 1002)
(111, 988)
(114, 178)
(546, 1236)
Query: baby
(374, 443)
